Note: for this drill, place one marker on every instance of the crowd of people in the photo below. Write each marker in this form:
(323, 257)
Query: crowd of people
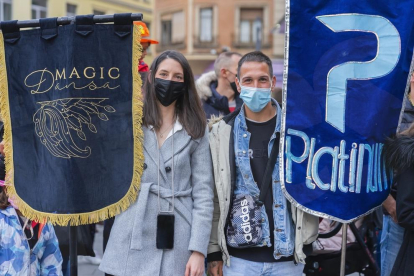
(207, 148)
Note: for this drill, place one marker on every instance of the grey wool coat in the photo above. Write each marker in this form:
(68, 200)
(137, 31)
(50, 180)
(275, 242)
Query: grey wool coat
(131, 249)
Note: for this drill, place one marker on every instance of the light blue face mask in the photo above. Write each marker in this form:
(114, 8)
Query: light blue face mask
(255, 98)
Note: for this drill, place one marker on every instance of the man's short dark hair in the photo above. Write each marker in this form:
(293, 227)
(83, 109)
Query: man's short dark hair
(255, 56)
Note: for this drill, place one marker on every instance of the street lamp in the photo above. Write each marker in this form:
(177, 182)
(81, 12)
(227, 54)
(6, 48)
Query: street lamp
(258, 23)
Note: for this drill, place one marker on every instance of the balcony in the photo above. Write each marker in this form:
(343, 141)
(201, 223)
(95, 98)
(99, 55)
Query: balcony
(237, 43)
(198, 43)
(163, 46)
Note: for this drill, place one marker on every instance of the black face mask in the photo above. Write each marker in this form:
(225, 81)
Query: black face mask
(233, 84)
(234, 87)
(168, 91)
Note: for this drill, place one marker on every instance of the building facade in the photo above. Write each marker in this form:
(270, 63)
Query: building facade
(33, 9)
(202, 29)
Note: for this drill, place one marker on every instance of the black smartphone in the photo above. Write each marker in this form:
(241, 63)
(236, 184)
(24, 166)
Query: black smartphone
(165, 231)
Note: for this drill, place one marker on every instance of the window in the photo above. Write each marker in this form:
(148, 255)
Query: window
(5, 10)
(166, 32)
(173, 28)
(206, 24)
(70, 10)
(245, 31)
(251, 25)
(178, 27)
(97, 12)
(39, 9)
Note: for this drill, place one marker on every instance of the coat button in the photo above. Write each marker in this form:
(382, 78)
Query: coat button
(145, 166)
(263, 220)
(244, 135)
(167, 169)
(277, 205)
(244, 152)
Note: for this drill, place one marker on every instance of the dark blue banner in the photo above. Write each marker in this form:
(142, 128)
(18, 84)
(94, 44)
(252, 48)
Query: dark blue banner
(347, 68)
(71, 104)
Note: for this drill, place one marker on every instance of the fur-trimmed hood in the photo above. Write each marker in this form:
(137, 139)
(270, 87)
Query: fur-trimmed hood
(203, 85)
(399, 152)
(214, 119)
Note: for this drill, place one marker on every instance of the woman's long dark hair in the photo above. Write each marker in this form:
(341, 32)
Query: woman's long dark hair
(188, 107)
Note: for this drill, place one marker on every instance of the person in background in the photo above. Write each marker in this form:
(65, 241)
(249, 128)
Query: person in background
(392, 232)
(218, 89)
(399, 153)
(146, 42)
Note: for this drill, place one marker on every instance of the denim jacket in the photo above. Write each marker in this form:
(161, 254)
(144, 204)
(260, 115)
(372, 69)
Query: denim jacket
(245, 184)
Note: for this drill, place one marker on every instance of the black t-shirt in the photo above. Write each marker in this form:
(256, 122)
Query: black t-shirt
(258, 152)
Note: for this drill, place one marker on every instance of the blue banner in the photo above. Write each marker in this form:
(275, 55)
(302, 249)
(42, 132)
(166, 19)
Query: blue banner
(346, 73)
(72, 109)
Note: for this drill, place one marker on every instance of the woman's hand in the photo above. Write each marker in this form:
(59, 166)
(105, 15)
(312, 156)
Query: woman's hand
(195, 265)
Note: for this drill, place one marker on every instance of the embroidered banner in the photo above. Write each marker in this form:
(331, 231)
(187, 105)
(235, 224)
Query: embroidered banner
(346, 72)
(71, 103)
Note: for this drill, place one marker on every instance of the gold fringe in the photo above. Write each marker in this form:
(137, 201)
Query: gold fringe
(81, 218)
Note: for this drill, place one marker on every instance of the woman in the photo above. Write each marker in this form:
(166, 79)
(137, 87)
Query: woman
(399, 154)
(177, 158)
(26, 248)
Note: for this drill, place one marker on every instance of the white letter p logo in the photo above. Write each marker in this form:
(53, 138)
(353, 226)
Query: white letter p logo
(388, 54)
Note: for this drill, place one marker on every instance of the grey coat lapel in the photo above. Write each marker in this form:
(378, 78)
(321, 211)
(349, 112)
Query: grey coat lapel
(151, 148)
(181, 140)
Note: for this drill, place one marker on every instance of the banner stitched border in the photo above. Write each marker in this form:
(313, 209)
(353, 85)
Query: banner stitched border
(89, 217)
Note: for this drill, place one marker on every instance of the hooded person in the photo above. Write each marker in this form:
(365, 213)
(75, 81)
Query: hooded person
(392, 233)
(399, 152)
(217, 89)
(27, 248)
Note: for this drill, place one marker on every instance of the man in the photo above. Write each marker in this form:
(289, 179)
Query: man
(240, 145)
(145, 43)
(218, 89)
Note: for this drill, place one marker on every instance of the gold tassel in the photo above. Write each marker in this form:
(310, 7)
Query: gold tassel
(81, 218)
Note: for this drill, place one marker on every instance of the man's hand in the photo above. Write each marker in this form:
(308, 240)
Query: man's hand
(391, 207)
(215, 268)
(195, 265)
